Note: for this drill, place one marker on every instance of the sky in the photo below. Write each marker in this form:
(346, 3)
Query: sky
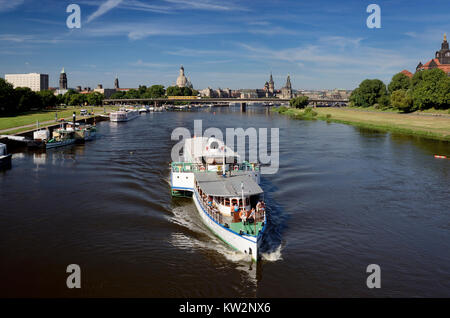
(221, 43)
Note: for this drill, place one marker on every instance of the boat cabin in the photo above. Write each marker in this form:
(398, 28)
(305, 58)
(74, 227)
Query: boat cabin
(232, 201)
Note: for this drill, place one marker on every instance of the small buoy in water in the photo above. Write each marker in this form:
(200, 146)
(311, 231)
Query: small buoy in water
(440, 157)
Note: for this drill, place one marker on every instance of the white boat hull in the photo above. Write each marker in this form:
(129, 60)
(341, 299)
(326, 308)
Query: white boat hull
(242, 243)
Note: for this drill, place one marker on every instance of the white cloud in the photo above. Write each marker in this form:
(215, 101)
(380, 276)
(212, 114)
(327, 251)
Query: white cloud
(8, 5)
(206, 5)
(104, 8)
(137, 31)
(141, 63)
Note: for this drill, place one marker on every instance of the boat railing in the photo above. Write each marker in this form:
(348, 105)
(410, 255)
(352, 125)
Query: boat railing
(194, 167)
(212, 211)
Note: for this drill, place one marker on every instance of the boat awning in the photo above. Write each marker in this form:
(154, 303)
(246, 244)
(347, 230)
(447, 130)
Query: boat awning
(216, 185)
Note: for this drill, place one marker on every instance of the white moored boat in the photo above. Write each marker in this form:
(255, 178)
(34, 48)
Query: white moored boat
(226, 193)
(5, 158)
(124, 115)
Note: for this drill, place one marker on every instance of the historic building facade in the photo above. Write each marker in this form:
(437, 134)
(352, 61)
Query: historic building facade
(441, 60)
(182, 80)
(269, 87)
(63, 80)
(116, 83)
(286, 91)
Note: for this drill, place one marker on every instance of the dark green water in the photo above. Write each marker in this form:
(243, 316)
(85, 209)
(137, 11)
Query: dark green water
(343, 198)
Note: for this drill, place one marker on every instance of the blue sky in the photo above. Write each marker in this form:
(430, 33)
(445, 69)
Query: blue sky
(221, 43)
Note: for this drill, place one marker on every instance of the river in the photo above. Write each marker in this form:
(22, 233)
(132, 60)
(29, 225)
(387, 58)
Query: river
(343, 198)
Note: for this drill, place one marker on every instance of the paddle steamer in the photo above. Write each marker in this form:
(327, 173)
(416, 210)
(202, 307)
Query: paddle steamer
(225, 191)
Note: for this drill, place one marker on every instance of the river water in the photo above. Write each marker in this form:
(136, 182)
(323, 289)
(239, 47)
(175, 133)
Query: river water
(342, 199)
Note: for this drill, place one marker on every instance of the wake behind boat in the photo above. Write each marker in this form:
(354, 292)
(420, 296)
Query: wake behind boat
(226, 193)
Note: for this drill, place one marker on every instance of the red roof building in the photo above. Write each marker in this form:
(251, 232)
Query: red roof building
(407, 73)
(441, 60)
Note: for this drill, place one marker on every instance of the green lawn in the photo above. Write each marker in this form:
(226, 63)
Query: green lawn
(435, 127)
(30, 118)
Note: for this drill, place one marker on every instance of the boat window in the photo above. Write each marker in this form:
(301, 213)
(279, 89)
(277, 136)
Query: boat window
(247, 201)
(214, 145)
(227, 202)
(240, 202)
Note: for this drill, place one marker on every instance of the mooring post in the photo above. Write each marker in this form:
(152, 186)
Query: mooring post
(243, 107)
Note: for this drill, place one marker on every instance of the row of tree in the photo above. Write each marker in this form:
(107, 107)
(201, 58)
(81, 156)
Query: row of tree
(19, 100)
(426, 89)
(299, 102)
(155, 91)
(22, 99)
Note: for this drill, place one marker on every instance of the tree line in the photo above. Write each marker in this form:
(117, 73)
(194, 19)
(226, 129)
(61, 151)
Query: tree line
(426, 89)
(22, 99)
(155, 91)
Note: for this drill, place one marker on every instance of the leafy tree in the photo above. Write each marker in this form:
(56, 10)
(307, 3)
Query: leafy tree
(118, 95)
(369, 93)
(155, 91)
(180, 91)
(48, 98)
(95, 98)
(399, 81)
(7, 98)
(77, 99)
(174, 91)
(402, 100)
(299, 102)
(142, 89)
(67, 96)
(430, 88)
(384, 102)
(27, 99)
(132, 93)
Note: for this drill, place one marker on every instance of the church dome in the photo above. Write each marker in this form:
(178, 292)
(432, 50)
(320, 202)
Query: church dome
(181, 80)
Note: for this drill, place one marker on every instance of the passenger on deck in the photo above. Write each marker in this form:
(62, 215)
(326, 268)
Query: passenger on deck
(260, 207)
(252, 214)
(243, 216)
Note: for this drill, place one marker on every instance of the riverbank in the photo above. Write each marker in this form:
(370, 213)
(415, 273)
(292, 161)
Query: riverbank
(424, 125)
(15, 124)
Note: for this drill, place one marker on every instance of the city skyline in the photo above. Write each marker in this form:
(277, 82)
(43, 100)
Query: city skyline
(223, 44)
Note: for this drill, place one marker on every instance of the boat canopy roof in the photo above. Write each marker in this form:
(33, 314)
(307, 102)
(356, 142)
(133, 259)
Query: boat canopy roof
(230, 186)
(208, 148)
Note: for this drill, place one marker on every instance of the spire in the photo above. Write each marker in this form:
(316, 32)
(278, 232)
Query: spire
(271, 78)
(445, 37)
(62, 72)
(288, 82)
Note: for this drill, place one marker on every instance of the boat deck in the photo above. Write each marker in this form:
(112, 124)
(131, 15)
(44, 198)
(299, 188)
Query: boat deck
(248, 228)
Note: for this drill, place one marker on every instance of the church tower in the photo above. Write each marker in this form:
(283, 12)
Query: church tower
(116, 83)
(62, 80)
(271, 85)
(286, 91)
(181, 80)
(443, 55)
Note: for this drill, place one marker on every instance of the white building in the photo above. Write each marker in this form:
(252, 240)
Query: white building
(36, 82)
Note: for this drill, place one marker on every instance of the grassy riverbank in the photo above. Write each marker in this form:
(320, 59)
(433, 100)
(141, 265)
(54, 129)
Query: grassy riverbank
(26, 121)
(435, 127)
